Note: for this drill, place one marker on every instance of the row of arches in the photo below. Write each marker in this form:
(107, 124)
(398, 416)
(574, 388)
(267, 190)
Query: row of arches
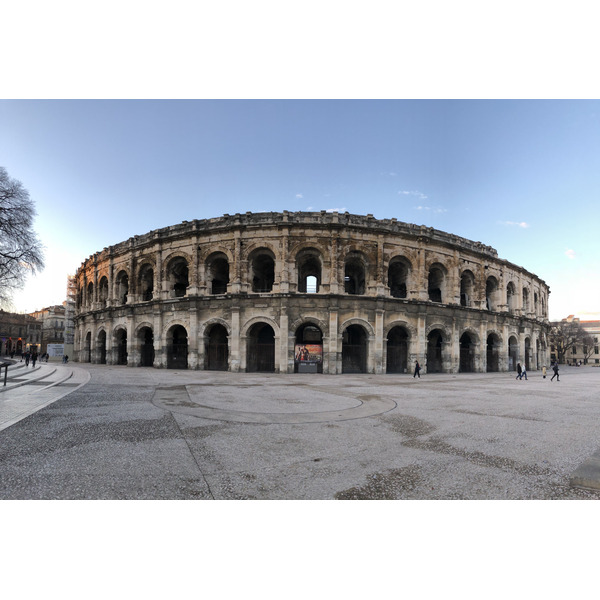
(311, 273)
(308, 347)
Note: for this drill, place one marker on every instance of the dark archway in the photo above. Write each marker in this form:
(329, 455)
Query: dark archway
(216, 356)
(177, 348)
(121, 343)
(87, 349)
(263, 272)
(467, 354)
(146, 339)
(397, 350)
(354, 350)
(513, 353)
(261, 349)
(102, 347)
(435, 362)
(493, 353)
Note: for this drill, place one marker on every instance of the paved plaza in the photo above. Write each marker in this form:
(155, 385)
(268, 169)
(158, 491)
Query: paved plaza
(124, 433)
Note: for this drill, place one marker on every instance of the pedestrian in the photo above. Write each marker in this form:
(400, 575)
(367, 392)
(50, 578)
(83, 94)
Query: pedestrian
(555, 369)
(519, 371)
(544, 371)
(27, 357)
(417, 370)
(34, 357)
(524, 372)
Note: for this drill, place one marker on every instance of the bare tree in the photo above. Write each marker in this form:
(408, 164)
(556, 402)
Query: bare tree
(20, 249)
(565, 334)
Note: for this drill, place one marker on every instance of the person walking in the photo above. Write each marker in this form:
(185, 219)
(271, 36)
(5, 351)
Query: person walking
(544, 371)
(417, 370)
(34, 358)
(519, 371)
(524, 372)
(555, 369)
(27, 357)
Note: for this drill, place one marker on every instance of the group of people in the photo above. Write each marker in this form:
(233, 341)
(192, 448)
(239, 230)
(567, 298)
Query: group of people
(521, 371)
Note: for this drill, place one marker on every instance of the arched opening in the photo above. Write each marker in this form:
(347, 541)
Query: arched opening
(103, 292)
(261, 349)
(102, 347)
(528, 355)
(90, 293)
(513, 353)
(525, 300)
(435, 284)
(178, 276)
(122, 287)
(493, 353)
(308, 265)
(435, 362)
(146, 339)
(491, 294)
(263, 272)
(87, 348)
(398, 272)
(147, 283)
(397, 350)
(218, 273)
(216, 356)
(467, 287)
(511, 300)
(354, 274)
(308, 349)
(177, 348)
(467, 354)
(354, 350)
(121, 344)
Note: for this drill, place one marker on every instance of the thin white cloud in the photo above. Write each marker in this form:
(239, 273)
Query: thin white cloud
(570, 253)
(416, 193)
(434, 210)
(299, 195)
(338, 210)
(521, 224)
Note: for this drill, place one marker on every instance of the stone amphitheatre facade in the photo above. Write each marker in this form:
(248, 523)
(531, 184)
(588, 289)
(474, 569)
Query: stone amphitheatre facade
(308, 292)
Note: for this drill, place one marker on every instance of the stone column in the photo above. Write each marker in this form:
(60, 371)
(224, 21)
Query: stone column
(378, 343)
(335, 362)
(235, 359)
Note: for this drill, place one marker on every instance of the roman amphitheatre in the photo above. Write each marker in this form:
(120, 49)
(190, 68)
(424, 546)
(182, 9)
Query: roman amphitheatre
(308, 292)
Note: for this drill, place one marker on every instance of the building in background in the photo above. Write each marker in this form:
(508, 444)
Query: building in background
(19, 333)
(587, 350)
(52, 320)
(70, 315)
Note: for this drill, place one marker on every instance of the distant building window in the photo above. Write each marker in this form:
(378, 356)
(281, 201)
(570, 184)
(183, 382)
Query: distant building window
(595, 349)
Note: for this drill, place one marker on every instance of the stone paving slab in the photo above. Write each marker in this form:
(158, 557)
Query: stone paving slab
(466, 436)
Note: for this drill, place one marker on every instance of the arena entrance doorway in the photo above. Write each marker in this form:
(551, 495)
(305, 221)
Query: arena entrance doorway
(513, 353)
(121, 343)
(493, 353)
(261, 349)
(397, 350)
(308, 350)
(434, 352)
(216, 349)
(177, 348)
(354, 350)
(146, 337)
(467, 354)
(102, 347)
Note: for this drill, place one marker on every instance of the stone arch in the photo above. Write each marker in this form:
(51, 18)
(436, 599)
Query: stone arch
(511, 297)
(437, 282)
(261, 340)
(101, 344)
(468, 350)
(397, 338)
(322, 325)
(103, 291)
(205, 252)
(356, 270)
(215, 335)
(357, 321)
(120, 344)
(261, 265)
(468, 285)
(207, 325)
(267, 320)
(355, 346)
(493, 351)
(145, 278)
(399, 272)
(122, 283)
(308, 263)
(217, 265)
(492, 293)
(177, 345)
(178, 272)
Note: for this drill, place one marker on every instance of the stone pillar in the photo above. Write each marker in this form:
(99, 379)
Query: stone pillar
(378, 344)
(335, 361)
(283, 342)
(193, 359)
(235, 359)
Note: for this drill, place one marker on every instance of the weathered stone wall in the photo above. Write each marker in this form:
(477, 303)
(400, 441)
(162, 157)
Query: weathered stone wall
(445, 301)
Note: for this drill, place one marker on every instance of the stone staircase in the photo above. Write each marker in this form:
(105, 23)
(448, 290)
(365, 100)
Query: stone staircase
(29, 389)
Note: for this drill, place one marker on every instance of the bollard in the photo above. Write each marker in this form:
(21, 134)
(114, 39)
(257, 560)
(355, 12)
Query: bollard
(5, 365)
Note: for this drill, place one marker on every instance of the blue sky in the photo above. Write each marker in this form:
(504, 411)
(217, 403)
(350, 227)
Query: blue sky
(521, 176)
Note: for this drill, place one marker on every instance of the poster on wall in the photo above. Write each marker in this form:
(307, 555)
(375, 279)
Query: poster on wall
(56, 349)
(312, 353)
